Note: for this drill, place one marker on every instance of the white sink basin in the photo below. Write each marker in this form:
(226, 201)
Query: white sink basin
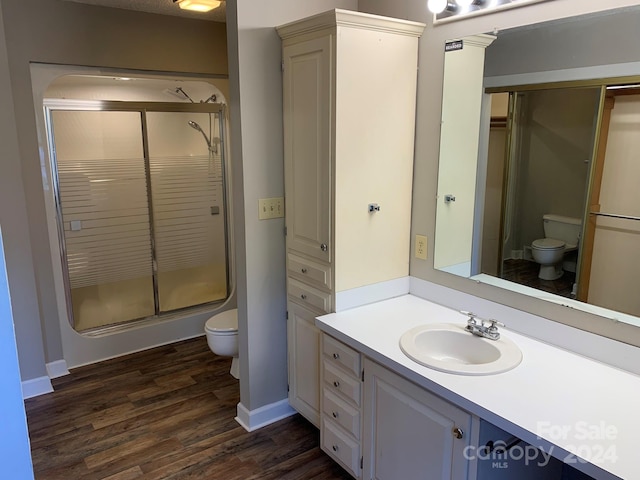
(450, 348)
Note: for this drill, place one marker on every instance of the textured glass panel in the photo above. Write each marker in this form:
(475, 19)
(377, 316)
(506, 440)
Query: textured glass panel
(103, 195)
(188, 208)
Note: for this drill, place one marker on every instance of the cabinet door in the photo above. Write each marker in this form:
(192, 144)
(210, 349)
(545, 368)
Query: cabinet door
(304, 360)
(307, 141)
(408, 432)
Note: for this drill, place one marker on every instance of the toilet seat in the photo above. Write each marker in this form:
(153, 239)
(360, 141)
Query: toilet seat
(225, 323)
(547, 244)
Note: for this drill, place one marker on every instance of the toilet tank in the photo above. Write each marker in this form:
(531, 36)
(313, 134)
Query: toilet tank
(562, 228)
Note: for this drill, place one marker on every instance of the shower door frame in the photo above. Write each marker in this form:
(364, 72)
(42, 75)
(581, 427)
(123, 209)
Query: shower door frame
(52, 105)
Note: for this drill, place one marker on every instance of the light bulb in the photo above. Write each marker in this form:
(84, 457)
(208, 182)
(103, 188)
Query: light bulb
(198, 5)
(464, 3)
(436, 6)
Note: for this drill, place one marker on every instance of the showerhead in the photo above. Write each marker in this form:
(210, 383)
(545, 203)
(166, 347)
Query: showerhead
(197, 127)
(193, 124)
(212, 98)
(180, 91)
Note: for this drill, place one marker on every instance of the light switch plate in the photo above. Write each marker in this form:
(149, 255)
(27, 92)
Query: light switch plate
(270, 208)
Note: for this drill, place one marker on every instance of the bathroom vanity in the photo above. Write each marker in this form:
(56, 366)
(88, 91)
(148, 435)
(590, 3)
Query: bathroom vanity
(367, 408)
(386, 416)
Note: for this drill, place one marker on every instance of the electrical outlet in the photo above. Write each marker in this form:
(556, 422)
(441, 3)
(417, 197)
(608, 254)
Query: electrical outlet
(270, 208)
(421, 247)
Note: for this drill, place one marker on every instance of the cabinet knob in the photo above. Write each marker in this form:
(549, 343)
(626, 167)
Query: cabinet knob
(335, 414)
(303, 296)
(336, 356)
(457, 432)
(303, 270)
(336, 384)
(323, 247)
(334, 448)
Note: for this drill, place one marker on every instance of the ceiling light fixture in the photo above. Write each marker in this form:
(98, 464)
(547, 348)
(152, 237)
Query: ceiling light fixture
(198, 5)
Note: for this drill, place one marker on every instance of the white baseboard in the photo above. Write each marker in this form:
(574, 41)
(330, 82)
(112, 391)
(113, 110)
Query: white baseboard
(261, 417)
(36, 386)
(57, 369)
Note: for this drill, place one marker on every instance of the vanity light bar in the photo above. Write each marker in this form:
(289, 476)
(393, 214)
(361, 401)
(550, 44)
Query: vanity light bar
(454, 9)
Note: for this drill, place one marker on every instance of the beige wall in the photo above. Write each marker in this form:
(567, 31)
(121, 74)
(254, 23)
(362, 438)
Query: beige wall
(53, 31)
(431, 61)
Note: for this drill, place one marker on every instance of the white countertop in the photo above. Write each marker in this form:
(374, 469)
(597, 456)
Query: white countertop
(596, 405)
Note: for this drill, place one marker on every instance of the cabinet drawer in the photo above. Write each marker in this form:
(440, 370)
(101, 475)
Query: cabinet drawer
(310, 271)
(339, 446)
(339, 354)
(338, 411)
(309, 295)
(341, 383)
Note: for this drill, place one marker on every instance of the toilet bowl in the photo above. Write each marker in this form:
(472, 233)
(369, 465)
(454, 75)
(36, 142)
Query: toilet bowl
(222, 337)
(548, 252)
(561, 236)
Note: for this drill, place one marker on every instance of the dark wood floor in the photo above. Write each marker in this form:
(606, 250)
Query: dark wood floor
(525, 272)
(166, 413)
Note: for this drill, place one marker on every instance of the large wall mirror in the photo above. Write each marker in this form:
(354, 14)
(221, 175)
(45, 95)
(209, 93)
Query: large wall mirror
(539, 169)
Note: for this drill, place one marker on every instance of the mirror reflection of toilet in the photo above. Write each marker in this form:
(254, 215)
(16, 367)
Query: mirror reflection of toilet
(562, 235)
(222, 337)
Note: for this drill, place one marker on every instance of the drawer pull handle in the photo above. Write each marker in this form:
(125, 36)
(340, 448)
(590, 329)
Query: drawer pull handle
(336, 356)
(324, 247)
(303, 296)
(304, 270)
(334, 448)
(336, 384)
(335, 414)
(457, 432)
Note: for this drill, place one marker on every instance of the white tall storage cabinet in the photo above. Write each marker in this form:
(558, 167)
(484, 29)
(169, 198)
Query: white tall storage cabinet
(349, 123)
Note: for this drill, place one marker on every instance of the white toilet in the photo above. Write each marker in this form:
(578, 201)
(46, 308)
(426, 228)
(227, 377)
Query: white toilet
(561, 236)
(222, 337)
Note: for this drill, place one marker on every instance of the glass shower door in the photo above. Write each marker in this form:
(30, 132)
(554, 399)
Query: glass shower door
(187, 194)
(104, 215)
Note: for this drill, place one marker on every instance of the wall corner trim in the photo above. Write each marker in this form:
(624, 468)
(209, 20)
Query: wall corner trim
(36, 386)
(57, 369)
(252, 420)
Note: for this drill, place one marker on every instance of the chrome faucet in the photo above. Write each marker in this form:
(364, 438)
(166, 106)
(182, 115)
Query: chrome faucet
(481, 327)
